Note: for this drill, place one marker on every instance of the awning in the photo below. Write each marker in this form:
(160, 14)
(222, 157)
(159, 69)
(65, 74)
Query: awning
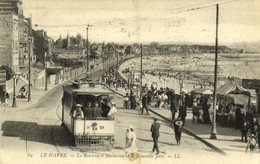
(231, 88)
(239, 98)
(202, 91)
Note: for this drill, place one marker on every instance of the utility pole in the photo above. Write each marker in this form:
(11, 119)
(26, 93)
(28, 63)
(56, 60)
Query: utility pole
(117, 66)
(141, 71)
(29, 71)
(214, 125)
(87, 48)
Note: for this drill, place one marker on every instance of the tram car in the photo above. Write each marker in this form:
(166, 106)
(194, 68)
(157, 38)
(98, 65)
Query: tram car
(93, 133)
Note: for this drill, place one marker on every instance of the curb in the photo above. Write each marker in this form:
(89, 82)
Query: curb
(192, 134)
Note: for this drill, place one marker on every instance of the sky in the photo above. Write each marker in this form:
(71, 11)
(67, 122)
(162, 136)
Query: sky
(141, 21)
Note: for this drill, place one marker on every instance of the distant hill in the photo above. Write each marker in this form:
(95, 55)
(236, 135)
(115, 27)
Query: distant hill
(248, 46)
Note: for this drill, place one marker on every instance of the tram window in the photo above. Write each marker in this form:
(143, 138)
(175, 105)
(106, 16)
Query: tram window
(67, 99)
(81, 99)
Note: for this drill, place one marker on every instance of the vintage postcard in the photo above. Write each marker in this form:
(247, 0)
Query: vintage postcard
(129, 81)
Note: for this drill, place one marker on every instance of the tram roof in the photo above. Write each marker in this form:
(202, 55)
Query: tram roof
(86, 89)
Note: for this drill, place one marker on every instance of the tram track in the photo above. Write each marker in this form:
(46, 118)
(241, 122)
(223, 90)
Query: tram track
(31, 130)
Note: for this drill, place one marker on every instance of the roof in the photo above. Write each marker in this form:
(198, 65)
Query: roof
(203, 91)
(231, 88)
(88, 89)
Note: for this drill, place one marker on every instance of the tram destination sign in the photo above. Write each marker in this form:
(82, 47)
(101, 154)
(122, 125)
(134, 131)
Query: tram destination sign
(251, 83)
(2, 77)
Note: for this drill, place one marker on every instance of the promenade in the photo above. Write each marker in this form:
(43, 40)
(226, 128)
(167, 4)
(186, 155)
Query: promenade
(228, 140)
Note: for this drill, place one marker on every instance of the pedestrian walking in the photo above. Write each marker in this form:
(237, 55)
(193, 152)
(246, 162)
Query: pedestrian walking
(182, 113)
(244, 130)
(177, 125)
(238, 118)
(132, 101)
(155, 135)
(130, 145)
(253, 126)
(126, 101)
(173, 109)
(144, 104)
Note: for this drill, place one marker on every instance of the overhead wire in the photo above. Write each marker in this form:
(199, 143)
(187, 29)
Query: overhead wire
(170, 11)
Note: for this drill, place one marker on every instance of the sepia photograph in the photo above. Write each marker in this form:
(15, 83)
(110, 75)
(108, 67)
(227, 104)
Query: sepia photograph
(130, 81)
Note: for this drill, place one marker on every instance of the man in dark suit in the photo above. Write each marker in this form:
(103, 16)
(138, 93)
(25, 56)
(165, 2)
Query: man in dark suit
(155, 134)
(144, 104)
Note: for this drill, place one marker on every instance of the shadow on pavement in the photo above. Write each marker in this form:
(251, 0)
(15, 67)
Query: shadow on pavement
(147, 140)
(31, 131)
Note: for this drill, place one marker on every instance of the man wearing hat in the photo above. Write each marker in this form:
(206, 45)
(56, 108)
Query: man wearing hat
(144, 104)
(97, 112)
(78, 112)
(88, 111)
(177, 125)
(105, 107)
(155, 134)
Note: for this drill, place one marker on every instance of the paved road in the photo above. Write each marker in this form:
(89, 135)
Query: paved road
(36, 132)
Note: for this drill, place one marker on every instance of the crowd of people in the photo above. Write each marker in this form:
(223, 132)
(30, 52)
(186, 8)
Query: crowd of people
(235, 115)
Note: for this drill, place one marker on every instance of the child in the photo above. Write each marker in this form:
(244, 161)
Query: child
(251, 144)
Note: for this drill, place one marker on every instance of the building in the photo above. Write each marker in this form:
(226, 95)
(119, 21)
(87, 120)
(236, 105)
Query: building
(16, 43)
(9, 46)
(41, 45)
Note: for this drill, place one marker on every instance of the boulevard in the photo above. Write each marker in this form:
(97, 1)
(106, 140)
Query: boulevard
(35, 133)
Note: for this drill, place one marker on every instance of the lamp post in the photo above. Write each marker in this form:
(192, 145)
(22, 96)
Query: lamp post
(46, 75)
(15, 76)
(213, 134)
(141, 76)
(29, 71)
(181, 81)
(117, 66)
(181, 86)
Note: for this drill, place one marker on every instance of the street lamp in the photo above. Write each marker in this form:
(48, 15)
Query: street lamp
(29, 70)
(181, 81)
(213, 134)
(87, 47)
(30, 45)
(141, 76)
(15, 76)
(46, 75)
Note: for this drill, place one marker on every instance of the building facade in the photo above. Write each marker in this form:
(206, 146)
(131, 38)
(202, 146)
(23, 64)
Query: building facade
(16, 43)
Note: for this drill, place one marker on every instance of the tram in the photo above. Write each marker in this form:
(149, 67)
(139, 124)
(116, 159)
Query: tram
(92, 133)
